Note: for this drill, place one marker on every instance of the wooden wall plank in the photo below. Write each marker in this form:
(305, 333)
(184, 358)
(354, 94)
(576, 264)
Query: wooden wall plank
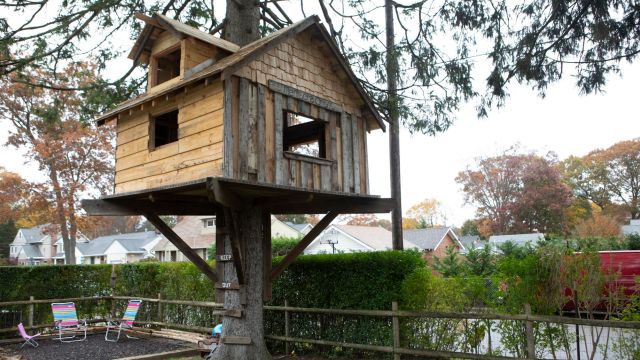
(345, 127)
(261, 123)
(228, 128)
(269, 137)
(244, 127)
(335, 181)
(355, 129)
(325, 177)
(365, 158)
(278, 114)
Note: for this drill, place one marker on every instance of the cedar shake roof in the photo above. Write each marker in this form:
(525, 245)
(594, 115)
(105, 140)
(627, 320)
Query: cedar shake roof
(190, 230)
(243, 56)
(159, 21)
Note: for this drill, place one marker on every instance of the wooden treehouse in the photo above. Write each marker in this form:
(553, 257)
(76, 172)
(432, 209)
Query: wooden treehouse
(278, 125)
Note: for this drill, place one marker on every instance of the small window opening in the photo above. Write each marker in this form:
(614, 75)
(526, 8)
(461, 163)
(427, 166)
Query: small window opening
(304, 135)
(208, 223)
(167, 66)
(165, 128)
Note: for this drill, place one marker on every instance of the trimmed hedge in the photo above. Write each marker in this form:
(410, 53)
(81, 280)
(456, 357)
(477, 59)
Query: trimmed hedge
(341, 281)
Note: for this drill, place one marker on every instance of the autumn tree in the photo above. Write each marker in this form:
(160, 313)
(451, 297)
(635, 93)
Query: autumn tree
(469, 227)
(75, 157)
(425, 214)
(598, 225)
(517, 192)
(12, 201)
(368, 220)
(609, 178)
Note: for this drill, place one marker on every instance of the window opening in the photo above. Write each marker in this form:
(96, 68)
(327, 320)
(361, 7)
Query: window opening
(304, 135)
(167, 66)
(208, 223)
(165, 128)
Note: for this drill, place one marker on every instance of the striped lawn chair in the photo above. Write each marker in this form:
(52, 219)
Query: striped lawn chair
(66, 322)
(126, 323)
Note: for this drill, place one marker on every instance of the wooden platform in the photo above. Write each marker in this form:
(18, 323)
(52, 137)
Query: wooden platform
(208, 197)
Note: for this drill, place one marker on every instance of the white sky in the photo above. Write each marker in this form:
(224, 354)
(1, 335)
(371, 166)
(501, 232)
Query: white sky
(563, 122)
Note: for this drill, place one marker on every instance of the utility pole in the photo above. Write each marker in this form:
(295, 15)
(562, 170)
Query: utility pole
(394, 128)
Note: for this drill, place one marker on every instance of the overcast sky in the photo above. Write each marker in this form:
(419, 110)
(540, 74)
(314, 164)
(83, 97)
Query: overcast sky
(563, 122)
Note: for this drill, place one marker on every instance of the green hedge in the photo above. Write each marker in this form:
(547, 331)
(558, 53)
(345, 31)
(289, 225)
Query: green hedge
(342, 281)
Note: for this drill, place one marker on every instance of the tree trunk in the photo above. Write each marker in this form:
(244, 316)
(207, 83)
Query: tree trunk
(394, 128)
(251, 324)
(241, 27)
(242, 21)
(68, 244)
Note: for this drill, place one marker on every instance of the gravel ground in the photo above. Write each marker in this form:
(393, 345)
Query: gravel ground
(95, 347)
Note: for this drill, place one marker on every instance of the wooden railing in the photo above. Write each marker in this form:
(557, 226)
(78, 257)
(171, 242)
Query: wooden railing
(394, 315)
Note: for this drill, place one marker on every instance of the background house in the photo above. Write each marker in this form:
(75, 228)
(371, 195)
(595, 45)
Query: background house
(351, 238)
(517, 239)
(197, 231)
(632, 228)
(434, 241)
(471, 242)
(301, 228)
(118, 249)
(39, 245)
(286, 229)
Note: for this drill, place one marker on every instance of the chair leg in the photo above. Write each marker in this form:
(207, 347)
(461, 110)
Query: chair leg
(106, 335)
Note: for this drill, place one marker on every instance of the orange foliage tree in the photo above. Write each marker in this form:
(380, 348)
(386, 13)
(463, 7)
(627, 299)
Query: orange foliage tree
(368, 220)
(51, 126)
(598, 225)
(427, 213)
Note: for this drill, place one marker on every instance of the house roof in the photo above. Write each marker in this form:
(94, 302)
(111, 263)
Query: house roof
(519, 239)
(32, 251)
(35, 234)
(190, 231)
(428, 239)
(375, 237)
(242, 57)
(132, 242)
(297, 227)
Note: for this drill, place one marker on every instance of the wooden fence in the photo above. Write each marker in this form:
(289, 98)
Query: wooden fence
(394, 315)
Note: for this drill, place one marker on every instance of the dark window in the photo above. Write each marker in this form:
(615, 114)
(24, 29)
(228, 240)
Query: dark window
(304, 135)
(165, 128)
(174, 256)
(167, 66)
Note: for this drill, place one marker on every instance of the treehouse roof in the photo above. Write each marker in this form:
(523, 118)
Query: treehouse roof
(181, 30)
(240, 57)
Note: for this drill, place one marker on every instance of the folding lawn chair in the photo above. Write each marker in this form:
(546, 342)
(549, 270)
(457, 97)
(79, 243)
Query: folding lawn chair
(66, 321)
(28, 339)
(126, 323)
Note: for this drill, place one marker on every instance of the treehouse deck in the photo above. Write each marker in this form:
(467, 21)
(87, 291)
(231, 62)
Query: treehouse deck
(210, 195)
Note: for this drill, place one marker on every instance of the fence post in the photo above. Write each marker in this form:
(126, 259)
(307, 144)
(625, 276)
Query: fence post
(160, 309)
(531, 345)
(395, 327)
(286, 326)
(31, 298)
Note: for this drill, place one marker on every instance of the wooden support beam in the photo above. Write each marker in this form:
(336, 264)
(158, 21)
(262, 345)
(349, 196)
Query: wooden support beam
(266, 256)
(181, 245)
(219, 194)
(306, 240)
(140, 207)
(234, 238)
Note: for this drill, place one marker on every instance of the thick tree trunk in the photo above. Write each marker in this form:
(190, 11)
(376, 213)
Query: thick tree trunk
(394, 128)
(242, 21)
(251, 324)
(68, 244)
(241, 27)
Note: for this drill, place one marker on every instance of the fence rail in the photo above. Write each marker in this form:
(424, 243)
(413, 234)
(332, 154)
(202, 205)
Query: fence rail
(394, 315)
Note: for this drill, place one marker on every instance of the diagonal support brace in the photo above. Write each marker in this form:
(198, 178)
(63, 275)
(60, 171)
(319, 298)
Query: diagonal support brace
(182, 246)
(306, 240)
